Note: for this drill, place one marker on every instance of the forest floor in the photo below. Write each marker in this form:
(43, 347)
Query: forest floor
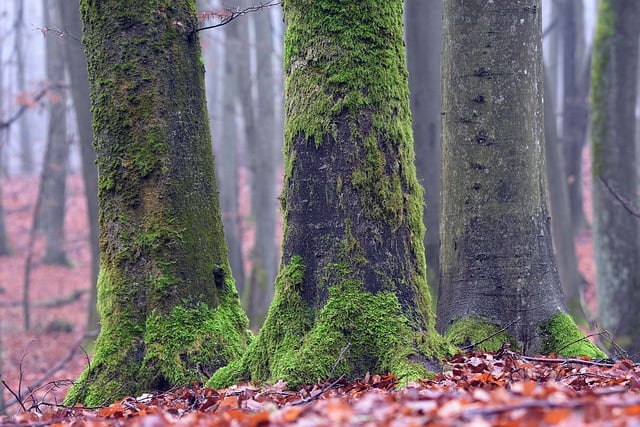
(49, 355)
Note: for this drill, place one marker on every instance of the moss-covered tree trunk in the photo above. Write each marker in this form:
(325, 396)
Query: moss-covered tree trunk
(165, 293)
(496, 257)
(613, 152)
(353, 269)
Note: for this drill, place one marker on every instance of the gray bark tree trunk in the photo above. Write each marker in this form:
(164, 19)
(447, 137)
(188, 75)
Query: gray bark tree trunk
(5, 246)
(79, 80)
(54, 169)
(26, 150)
(166, 296)
(260, 132)
(227, 159)
(575, 103)
(561, 230)
(496, 257)
(423, 21)
(616, 232)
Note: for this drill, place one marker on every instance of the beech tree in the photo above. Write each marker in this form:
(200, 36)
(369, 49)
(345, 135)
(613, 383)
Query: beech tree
(616, 233)
(497, 264)
(351, 295)
(166, 297)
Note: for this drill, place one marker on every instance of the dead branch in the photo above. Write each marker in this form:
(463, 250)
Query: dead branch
(24, 107)
(475, 344)
(626, 204)
(20, 399)
(228, 15)
(62, 33)
(49, 303)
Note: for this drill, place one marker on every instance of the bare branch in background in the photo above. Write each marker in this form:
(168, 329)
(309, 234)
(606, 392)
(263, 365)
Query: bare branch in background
(26, 105)
(227, 15)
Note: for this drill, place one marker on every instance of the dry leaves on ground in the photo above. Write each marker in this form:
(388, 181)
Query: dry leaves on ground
(476, 389)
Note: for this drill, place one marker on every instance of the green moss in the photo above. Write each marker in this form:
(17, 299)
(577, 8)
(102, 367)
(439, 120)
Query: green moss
(190, 335)
(602, 46)
(561, 336)
(300, 348)
(479, 332)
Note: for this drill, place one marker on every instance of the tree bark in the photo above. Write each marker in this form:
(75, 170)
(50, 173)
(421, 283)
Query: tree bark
(423, 22)
(352, 277)
(616, 232)
(166, 297)
(496, 257)
(54, 170)
(79, 78)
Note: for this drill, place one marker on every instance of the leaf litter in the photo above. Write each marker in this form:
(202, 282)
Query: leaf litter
(475, 389)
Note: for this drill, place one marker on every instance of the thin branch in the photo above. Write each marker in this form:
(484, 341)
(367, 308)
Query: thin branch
(475, 344)
(626, 204)
(24, 107)
(229, 15)
(59, 32)
(584, 338)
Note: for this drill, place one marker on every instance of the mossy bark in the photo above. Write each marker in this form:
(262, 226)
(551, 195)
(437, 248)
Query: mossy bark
(496, 257)
(616, 232)
(165, 294)
(353, 265)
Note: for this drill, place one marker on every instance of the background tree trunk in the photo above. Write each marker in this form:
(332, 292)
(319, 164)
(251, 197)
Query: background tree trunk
(54, 168)
(496, 257)
(353, 267)
(575, 103)
(166, 297)
(260, 136)
(78, 76)
(616, 232)
(572, 281)
(27, 166)
(423, 21)
(227, 160)
(5, 246)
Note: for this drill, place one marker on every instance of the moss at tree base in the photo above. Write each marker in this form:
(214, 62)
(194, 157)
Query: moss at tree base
(479, 333)
(354, 333)
(164, 355)
(561, 336)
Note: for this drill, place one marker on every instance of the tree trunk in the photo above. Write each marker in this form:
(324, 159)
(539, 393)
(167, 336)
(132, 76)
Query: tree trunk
(352, 288)
(77, 69)
(166, 297)
(54, 169)
(616, 232)
(575, 107)
(24, 134)
(561, 230)
(496, 257)
(424, 46)
(5, 246)
(228, 153)
(260, 131)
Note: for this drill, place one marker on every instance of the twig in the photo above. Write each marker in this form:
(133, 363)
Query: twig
(340, 357)
(475, 344)
(24, 107)
(576, 341)
(577, 361)
(59, 32)
(319, 393)
(625, 203)
(18, 398)
(230, 15)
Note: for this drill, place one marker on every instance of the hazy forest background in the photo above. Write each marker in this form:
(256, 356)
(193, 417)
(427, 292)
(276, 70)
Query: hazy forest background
(47, 265)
